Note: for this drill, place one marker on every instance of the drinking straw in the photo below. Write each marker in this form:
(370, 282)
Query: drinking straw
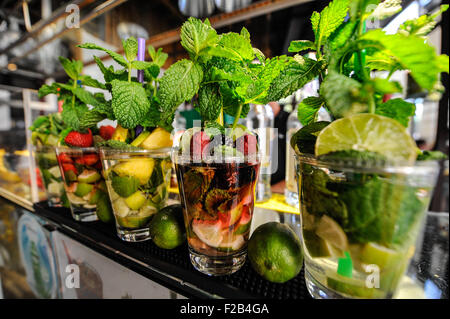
(141, 57)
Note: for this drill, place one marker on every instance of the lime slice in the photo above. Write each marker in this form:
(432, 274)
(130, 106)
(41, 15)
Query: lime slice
(383, 257)
(330, 231)
(353, 288)
(208, 232)
(83, 189)
(368, 132)
(54, 188)
(75, 200)
(136, 200)
(55, 171)
(232, 243)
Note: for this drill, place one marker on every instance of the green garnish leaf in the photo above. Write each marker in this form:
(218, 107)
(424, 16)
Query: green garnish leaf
(210, 102)
(301, 45)
(294, 76)
(197, 36)
(325, 23)
(129, 103)
(130, 46)
(422, 25)
(305, 138)
(431, 156)
(308, 109)
(115, 56)
(180, 83)
(398, 109)
(157, 57)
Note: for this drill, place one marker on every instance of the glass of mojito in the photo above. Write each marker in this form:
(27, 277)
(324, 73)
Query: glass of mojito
(360, 219)
(81, 171)
(217, 190)
(51, 175)
(138, 183)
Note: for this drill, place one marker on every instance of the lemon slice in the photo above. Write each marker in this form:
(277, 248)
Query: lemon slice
(368, 132)
(330, 231)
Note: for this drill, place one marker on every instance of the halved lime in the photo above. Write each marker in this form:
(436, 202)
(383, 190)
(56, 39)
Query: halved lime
(329, 230)
(368, 132)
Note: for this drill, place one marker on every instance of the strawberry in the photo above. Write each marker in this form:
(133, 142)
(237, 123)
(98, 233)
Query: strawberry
(78, 139)
(106, 132)
(199, 142)
(69, 167)
(247, 144)
(64, 158)
(90, 159)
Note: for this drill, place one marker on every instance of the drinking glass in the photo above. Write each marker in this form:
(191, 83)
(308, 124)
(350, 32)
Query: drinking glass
(359, 223)
(217, 197)
(81, 171)
(138, 183)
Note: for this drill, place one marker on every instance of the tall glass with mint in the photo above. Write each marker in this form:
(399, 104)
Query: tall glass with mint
(364, 186)
(136, 159)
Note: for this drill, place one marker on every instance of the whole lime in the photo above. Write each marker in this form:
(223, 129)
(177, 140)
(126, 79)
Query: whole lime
(167, 227)
(275, 252)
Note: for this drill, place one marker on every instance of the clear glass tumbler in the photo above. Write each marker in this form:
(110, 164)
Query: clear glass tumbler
(81, 170)
(359, 223)
(51, 175)
(217, 199)
(138, 184)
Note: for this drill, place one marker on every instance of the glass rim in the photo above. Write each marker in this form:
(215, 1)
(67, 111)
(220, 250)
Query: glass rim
(350, 164)
(106, 152)
(208, 160)
(74, 148)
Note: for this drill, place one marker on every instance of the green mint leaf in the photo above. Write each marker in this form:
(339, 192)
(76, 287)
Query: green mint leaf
(315, 19)
(256, 91)
(142, 65)
(296, 74)
(90, 119)
(330, 19)
(105, 109)
(89, 81)
(422, 25)
(344, 96)
(431, 156)
(238, 45)
(71, 67)
(115, 56)
(384, 86)
(308, 108)
(129, 103)
(210, 102)
(180, 83)
(151, 72)
(245, 33)
(259, 55)
(116, 145)
(340, 38)
(423, 64)
(397, 109)
(157, 57)
(153, 116)
(130, 46)
(47, 89)
(110, 74)
(301, 45)
(304, 139)
(360, 10)
(232, 109)
(197, 36)
(72, 114)
(442, 61)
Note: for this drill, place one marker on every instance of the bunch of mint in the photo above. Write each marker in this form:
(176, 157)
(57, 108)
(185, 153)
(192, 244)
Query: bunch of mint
(346, 56)
(75, 98)
(133, 103)
(223, 75)
(48, 129)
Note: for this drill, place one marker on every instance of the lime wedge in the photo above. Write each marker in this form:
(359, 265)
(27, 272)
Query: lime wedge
(368, 132)
(383, 257)
(330, 231)
(208, 232)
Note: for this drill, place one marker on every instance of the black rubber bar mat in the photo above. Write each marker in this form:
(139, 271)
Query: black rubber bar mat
(171, 268)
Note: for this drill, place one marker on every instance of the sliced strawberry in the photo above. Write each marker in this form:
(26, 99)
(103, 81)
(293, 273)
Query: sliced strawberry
(78, 139)
(247, 144)
(199, 143)
(64, 158)
(90, 159)
(69, 167)
(106, 131)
